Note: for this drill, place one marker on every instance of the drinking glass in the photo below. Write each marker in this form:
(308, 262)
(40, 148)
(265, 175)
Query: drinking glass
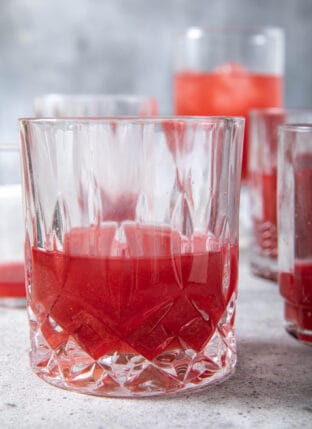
(295, 228)
(132, 251)
(12, 284)
(228, 71)
(89, 105)
(264, 124)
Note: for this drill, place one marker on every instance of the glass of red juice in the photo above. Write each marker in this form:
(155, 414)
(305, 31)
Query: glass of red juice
(295, 228)
(12, 284)
(94, 105)
(228, 71)
(262, 184)
(132, 251)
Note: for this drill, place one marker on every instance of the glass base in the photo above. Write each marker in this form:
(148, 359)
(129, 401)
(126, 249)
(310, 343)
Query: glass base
(174, 371)
(303, 335)
(298, 322)
(12, 302)
(147, 380)
(264, 266)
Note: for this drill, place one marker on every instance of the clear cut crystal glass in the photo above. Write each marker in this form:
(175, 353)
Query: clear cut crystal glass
(132, 251)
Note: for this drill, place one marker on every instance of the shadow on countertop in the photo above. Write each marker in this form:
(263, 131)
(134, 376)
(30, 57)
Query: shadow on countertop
(267, 375)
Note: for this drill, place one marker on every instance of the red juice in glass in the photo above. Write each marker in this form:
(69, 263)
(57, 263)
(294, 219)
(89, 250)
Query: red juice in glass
(12, 283)
(296, 289)
(132, 256)
(145, 305)
(230, 90)
(262, 183)
(228, 71)
(296, 286)
(295, 228)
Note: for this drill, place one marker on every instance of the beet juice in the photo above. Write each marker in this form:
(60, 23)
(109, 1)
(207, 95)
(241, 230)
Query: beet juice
(295, 228)
(132, 304)
(296, 285)
(229, 90)
(296, 289)
(12, 283)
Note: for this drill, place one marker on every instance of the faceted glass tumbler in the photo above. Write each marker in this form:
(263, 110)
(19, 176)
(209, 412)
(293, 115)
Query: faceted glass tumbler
(132, 251)
(295, 228)
(262, 184)
(12, 283)
(94, 105)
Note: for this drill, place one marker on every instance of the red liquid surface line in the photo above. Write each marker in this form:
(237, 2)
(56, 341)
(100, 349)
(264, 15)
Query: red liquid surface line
(12, 280)
(228, 91)
(142, 305)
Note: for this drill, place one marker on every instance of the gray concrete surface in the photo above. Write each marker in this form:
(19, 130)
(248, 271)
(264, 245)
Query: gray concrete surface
(272, 386)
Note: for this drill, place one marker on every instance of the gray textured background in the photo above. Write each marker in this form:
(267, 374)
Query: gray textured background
(125, 46)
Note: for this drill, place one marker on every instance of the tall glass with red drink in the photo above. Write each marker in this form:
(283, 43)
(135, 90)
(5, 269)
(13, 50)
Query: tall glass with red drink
(228, 71)
(262, 184)
(132, 251)
(295, 228)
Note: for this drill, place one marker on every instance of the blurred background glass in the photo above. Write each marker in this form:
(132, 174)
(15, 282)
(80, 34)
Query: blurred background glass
(228, 71)
(91, 46)
(294, 190)
(264, 126)
(62, 105)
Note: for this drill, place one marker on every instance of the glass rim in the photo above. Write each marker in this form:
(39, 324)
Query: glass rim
(278, 110)
(134, 119)
(90, 96)
(9, 147)
(296, 127)
(198, 32)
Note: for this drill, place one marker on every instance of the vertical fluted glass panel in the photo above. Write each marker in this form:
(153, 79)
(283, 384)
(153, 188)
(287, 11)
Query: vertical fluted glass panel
(132, 248)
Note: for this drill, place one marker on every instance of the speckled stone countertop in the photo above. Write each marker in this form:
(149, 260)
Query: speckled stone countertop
(272, 386)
